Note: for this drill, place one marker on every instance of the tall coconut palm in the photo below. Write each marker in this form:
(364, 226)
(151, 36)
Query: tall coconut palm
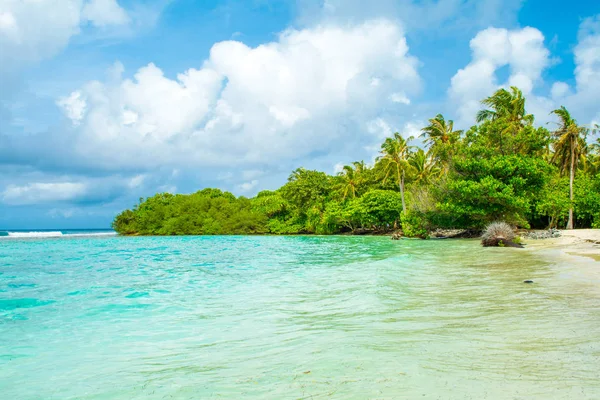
(349, 186)
(506, 105)
(424, 166)
(594, 157)
(507, 108)
(441, 136)
(352, 179)
(569, 147)
(440, 131)
(395, 153)
(360, 166)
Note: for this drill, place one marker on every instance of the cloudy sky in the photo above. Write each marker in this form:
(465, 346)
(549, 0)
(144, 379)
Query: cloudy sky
(106, 101)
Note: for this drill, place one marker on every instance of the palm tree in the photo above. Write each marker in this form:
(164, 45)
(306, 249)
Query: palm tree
(594, 156)
(506, 105)
(508, 108)
(424, 166)
(395, 153)
(568, 149)
(440, 131)
(350, 181)
(441, 136)
(352, 178)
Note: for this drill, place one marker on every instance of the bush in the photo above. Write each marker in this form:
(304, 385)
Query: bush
(497, 234)
(415, 224)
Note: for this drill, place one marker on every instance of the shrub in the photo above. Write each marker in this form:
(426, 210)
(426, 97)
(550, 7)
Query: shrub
(497, 234)
(415, 224)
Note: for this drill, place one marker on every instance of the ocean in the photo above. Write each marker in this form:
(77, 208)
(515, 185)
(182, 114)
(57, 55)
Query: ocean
(91, 315)
(53, 233)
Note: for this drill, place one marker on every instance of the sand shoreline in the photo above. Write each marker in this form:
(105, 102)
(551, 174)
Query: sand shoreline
(577, 242)
(575, 255)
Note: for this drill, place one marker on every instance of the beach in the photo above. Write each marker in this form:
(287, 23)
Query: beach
(576, 242)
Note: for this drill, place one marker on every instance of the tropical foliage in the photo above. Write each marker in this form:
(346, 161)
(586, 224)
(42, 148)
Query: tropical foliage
(503, 168)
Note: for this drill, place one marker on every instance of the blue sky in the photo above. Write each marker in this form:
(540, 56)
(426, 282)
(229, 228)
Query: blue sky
(106, 101)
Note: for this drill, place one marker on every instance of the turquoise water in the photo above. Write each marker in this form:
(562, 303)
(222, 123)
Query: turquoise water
(292, 318)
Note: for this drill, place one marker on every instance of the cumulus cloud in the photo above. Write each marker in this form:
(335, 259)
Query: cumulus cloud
(280, 100)
(584, 98)
(136, 181)
(26, 187)
(31, 30)
(104, 12)
(34, 193)
(522, 50)
(247, 186)
(73, 106)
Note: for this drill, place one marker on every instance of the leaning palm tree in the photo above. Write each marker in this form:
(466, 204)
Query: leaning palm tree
(395, 153)
(569, 147)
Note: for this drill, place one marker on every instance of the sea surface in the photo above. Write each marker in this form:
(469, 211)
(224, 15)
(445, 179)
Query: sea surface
(304, 317)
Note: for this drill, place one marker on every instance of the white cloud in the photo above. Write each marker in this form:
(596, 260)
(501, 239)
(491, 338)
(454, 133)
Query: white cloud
(34, 30)
(73, 106)
(412, 128)
(247, 186)
(379, 128)
(34, 193)
(278, 101)
(31, 30)
(399, 98)
(559, 90)
(104, 12)
(584, 100)
(522, 50)
(136, 181)
(337, 168)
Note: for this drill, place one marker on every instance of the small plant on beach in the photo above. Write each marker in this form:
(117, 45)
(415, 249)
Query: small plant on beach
(498, 234)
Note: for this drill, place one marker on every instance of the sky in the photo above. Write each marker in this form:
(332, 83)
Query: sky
(104, 102)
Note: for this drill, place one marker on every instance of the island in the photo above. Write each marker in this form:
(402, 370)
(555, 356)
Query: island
(505, 168)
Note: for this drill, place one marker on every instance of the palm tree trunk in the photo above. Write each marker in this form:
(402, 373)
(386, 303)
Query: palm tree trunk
(401, 184)
(571, 179)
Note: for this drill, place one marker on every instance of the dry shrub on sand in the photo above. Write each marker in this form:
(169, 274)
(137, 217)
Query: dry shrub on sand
(498, 234)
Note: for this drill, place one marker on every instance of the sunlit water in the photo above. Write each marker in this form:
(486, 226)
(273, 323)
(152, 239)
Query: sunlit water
(292, 318)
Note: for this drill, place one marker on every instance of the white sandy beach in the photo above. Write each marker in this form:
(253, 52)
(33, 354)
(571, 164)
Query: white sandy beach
(577, 242)
(576, 254)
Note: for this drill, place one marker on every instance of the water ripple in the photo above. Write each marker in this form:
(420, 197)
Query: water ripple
(292, 318)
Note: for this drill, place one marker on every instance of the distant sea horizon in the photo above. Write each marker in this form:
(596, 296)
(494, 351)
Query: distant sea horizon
(54, 232)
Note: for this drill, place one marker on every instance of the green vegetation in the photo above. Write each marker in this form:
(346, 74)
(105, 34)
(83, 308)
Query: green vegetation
(503, 168)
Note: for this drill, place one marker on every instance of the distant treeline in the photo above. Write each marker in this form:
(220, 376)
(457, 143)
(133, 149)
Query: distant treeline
(502, 168)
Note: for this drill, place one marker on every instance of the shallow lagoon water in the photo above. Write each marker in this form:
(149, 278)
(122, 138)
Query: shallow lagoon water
(292, 318)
